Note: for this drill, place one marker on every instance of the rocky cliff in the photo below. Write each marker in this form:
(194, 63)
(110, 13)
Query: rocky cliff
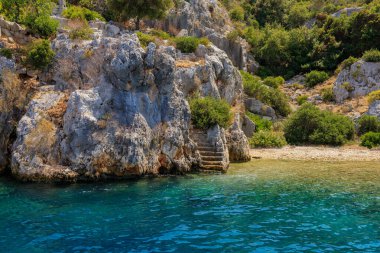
(359, 79)
(112, 109)
(209, 19)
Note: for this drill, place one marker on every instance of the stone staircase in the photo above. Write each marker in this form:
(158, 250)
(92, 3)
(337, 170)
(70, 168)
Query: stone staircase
(211, 158)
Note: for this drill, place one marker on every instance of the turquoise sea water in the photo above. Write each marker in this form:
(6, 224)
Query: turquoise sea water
(280, 207)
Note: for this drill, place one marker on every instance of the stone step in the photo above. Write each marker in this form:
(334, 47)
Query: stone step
(210, 171)
(212, 167)
(206, 149)
(204, 144)
(210, 153)
(212, 158)
(216, 163)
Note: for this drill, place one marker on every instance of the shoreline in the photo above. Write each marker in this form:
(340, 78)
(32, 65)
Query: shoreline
(317, 153)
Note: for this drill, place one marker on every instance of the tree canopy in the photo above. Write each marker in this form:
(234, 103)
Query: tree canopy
(138, 9)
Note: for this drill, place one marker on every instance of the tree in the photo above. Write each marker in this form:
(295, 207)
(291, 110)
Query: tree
(138, 9)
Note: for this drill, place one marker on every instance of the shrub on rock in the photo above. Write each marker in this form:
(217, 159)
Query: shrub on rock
(310, 125)
(208, 112)
(44, 26)
(373, 96)
(372, 55)
(40, 54)
(316, 77)
(190, 44)
(274, 82)
(81, 13)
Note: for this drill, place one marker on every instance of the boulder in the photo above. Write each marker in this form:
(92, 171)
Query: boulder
(257, 107)
(374, 109)
(248, 126)
(238, 145)
(359, 79)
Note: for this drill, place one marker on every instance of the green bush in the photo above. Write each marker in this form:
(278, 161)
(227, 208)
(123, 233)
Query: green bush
(160, 34)
(45, 26)
(81, 33)
(267, 139)
(367, 124)
(328, 94)
(190, 44)
(255, 87)
(81, 13)
(310, 125)
(274, 82)
(370, 140)
(145, 39)
(260, 123)
(372, 55)
(316, 77)
(40, 54)
(373, 96)
(345, 64)
(237, 13)
(302, 99)
(208, 112)
(6, 52)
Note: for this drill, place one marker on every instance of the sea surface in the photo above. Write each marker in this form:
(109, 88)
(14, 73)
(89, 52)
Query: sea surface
(262, 206)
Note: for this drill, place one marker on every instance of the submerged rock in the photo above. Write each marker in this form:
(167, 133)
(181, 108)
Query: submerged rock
(117, 110)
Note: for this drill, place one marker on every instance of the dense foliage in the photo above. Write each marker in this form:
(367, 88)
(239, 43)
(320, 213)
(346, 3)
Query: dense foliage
(208, 112)
(34, 14)
(370, 140)
(126, 9)
(374, 96)
(282, 43)
(372, 55)
(81, 13)
(315, 77)
(255, 87)
(310, 125)
(260, 123)
(267, 139)
(190, 44)
(367, 124)
(40, 54)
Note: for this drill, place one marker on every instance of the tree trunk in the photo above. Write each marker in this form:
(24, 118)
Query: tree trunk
(137, 23)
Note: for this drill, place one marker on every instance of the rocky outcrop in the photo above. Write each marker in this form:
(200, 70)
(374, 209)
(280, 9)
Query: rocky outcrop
(374, 109)
(238, 145)
(203, 18)
(248, 127)
(359, 79)
(14, 31)
(257, 107)
(117, 110)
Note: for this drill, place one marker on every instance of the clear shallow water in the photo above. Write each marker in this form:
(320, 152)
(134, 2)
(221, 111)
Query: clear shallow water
(265, 206)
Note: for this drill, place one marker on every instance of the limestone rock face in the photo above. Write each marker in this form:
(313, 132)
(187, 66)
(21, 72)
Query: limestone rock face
(203, 18)
(118, 110)
(374, 109)
(238, 145)
(7, 118)
(360, 79)
(257, 107)
(248, 127)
